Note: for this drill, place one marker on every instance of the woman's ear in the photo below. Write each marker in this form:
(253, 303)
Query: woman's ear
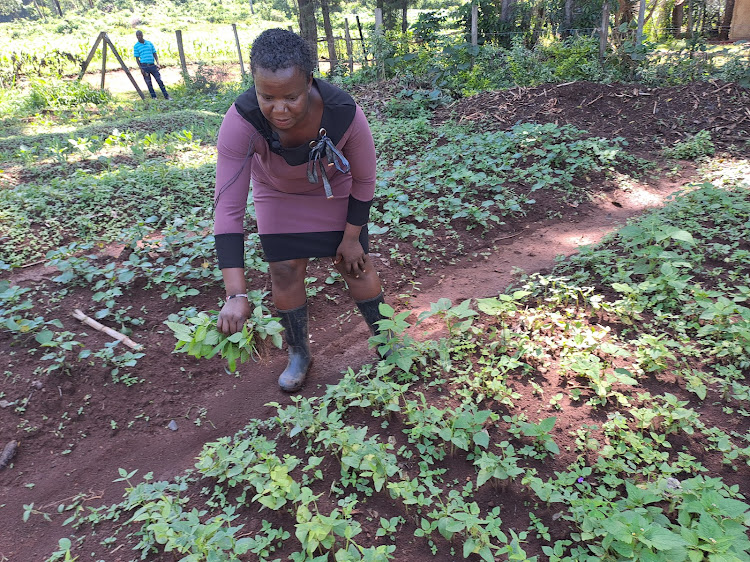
(309, 82)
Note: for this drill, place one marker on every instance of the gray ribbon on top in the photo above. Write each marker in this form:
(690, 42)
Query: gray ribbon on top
(324, 147)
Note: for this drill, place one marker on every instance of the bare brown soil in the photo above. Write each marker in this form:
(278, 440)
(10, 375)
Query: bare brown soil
(64, 451)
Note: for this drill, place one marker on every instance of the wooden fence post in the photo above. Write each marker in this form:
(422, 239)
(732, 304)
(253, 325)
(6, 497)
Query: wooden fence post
(349, 50)
(330, 39)
(104, 64)
(379, 64)
(474, 24)
(181, 53)
(123, 65)
(91, 54)
(639, 29)
(108, 43)
(239, 49)
(604, 31)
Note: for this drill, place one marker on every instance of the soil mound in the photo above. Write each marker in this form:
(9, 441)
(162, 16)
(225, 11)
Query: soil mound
(641, 115)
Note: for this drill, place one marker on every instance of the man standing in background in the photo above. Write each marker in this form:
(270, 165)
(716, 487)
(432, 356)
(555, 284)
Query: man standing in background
(145, 53)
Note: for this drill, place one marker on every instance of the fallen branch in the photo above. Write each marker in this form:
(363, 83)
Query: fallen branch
(724, 87)
(34, 263)
(509, 236)
(78, 315)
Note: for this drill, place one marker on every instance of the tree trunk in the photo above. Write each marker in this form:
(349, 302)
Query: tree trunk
(624, 12)
(308, 28)
(652, 11)
(332, 58)
(568, 21)
(538, 22)
(38, 10)
(641, 19)
(677, 16)
(604, 31)
(404, 20)
(58, 7)
(504, 10)
(726, 21)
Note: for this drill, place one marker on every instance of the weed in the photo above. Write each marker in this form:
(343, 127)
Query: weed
(699, 144)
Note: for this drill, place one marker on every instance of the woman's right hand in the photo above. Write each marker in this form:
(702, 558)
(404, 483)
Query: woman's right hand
(233, 315)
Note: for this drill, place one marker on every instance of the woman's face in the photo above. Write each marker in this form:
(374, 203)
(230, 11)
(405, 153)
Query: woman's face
(283, 96)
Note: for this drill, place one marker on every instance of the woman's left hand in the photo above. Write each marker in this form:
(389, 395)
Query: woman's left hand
(352, 256)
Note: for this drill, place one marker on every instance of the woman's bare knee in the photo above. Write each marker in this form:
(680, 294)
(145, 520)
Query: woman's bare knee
(286, 274)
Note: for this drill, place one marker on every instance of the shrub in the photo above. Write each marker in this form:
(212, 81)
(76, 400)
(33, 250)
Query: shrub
(428, 25)
(525, 66)
(57, 94)
(699, 145)
(575, 58)
(736, 70)
(672, 70)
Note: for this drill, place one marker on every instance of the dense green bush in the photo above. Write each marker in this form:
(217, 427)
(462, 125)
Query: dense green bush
(10, 7)
(428, 25)
(57, 94)
(526, 67)
(411, 104)
(575, 58)
(461, 69)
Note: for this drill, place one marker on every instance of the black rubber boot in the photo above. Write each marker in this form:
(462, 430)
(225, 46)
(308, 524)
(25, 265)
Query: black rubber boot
(370, 310)
(296, 336)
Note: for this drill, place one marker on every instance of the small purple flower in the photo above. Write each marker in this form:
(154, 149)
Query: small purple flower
(580, 480)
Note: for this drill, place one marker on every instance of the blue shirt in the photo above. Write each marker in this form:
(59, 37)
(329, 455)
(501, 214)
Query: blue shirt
(144, 51)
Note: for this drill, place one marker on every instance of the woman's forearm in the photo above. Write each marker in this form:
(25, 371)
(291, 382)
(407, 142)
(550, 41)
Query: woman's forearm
(234, 280)
(351, 232)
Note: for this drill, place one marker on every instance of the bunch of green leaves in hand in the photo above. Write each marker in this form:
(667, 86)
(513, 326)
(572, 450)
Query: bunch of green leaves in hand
(201, 338)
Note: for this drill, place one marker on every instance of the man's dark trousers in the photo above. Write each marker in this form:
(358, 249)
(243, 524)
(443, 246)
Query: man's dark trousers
(151, 69)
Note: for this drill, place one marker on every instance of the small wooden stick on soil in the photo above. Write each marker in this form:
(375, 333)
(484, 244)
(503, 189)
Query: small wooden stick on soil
(78, 315)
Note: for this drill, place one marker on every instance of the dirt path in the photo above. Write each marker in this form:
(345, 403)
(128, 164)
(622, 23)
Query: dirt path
(47, 478)
(535, 248)
(117, 82)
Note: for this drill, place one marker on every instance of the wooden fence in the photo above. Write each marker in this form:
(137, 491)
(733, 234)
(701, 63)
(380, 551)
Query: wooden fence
(352, 44)
(355, 49)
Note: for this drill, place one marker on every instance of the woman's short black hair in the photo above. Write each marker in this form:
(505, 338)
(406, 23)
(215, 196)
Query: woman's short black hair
(276, 49)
